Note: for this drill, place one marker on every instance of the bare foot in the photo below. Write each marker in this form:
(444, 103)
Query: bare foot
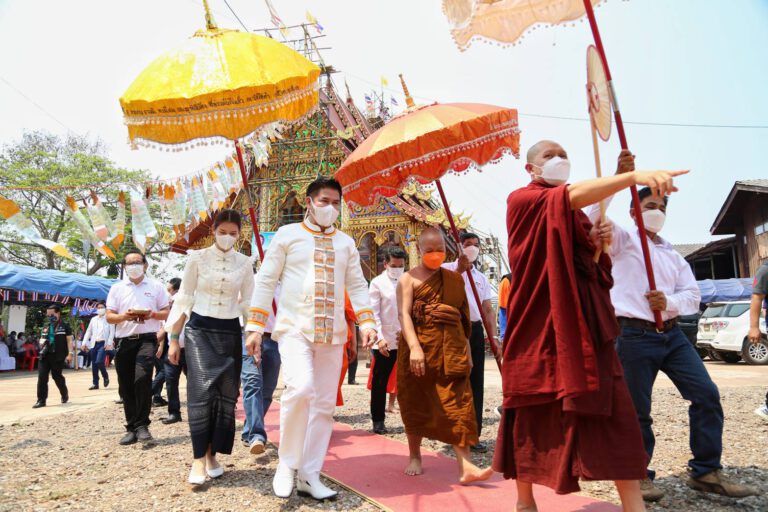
(414, 467)
(526, 508)
(391, 409)
(476, 475)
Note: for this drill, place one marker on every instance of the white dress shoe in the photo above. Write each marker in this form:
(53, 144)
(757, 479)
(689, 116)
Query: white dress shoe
(314, 487)
(215, 472)
(282, 483)
(196, 479)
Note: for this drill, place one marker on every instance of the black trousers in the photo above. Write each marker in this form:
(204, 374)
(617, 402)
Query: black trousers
(172, 374)
(133, 362)
(159, 380)
(477, 376)
(49, 365)
(382, 369)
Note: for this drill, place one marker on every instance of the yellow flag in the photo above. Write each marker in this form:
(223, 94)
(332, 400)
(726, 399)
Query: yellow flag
(384, 81)
(311, 19)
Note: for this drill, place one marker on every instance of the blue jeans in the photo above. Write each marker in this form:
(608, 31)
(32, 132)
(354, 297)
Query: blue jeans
(502, 321)
(97, 355)
(643, 353)
(258, 386)
(172, 374)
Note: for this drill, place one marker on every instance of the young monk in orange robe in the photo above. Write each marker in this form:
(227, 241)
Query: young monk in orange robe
(434, 361)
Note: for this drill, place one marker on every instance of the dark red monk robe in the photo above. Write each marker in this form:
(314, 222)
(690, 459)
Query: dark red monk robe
(567, 413)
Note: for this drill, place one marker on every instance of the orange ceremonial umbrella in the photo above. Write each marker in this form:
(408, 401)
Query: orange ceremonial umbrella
(423, 144)
(219, 85)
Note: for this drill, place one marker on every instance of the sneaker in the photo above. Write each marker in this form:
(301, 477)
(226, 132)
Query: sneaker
(257, 447)
(762, 411)
(128, 438)
(480, 447)
(650, 492)
(93, 387)
(715, 482)
(143, 435)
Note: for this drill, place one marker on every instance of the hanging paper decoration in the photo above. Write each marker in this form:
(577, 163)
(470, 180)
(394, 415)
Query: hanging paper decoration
(119, 228)
(199, 208)
(86, 231)
(102, 223)
(177, 208)
(143, 228)
(24, 227)
(219, 193)
(224, 177)
(276, 21)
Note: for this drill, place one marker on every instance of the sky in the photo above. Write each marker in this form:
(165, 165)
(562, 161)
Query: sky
(693, 62)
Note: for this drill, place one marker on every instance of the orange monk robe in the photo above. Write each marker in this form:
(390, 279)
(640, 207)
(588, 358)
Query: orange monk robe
(349, 316)
(438, 405)
(391, 383)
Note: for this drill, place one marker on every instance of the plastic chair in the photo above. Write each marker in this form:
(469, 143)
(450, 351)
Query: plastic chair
(29, 358)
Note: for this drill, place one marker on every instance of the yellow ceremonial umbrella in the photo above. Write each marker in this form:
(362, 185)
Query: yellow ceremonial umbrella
(219, 85)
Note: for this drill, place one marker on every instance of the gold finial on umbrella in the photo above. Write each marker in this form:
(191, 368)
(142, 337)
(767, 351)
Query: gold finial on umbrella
(408, 100)
(209, 21)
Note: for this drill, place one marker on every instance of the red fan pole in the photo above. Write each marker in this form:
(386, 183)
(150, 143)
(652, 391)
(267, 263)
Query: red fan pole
(486, 322)
(623, 140)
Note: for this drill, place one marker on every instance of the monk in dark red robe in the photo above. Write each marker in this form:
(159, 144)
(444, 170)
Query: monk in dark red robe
(434, 360)
(567, 413)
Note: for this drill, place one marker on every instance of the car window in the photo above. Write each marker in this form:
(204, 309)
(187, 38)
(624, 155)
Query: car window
(712, 311)
(735, 310)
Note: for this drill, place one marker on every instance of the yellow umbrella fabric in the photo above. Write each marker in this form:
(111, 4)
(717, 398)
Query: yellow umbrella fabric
(219, 84)
(505, 21)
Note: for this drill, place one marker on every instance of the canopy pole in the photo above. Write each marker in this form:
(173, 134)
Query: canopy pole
(623, 140)
(486, 322)
(599, 172)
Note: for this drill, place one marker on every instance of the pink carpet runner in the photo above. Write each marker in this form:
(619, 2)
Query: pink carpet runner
(372, 466)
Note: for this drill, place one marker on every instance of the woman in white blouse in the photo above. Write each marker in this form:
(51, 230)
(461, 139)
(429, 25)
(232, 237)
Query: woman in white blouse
(215, 292)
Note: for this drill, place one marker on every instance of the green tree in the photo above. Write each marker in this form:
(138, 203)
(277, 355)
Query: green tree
(41, 159)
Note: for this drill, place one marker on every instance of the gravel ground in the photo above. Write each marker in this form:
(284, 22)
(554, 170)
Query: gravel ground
(745, 440)
(73, 462)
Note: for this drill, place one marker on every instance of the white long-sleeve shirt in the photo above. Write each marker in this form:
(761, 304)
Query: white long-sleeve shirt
(383, 292)
(314, 269)
(216, 284)
(99, 330)
(673, 275)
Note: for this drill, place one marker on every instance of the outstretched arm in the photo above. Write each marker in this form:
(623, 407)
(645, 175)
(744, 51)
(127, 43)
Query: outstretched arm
(588, 192)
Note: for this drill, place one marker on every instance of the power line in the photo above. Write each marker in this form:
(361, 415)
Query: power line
(33, 102)
(650, 123)
(236, 16)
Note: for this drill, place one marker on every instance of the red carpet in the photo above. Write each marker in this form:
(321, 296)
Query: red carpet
(373, 466)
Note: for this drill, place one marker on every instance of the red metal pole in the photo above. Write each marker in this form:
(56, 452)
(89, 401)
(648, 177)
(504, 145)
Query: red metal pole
(623, 140)
(486, 322)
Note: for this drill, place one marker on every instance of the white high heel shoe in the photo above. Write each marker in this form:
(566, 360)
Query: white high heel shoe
(196, 479)
(215, 472)
(314, 488)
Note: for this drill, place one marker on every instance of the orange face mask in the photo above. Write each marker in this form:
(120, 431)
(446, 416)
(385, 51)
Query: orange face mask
(433, 260)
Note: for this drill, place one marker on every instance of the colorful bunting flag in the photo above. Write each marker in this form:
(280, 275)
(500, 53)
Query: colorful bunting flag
(141, 222)
(100, 219)
(119, 228)
(384, 81)
(24, 227)
(85, 230)
(311, 19)
(276, 21)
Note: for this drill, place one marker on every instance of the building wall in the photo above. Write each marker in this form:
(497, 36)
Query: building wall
(755, 214)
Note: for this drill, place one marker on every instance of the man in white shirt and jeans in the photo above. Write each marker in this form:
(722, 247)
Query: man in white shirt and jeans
(137, 308)
(99, 337)
(314, 263)
(384, 303)
(644, 350)
(470, 245)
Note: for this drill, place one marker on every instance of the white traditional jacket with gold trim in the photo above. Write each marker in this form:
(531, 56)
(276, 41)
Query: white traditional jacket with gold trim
(314, 269)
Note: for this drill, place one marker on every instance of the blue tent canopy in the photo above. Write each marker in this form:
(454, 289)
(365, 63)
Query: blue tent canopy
(54, 282)
(722, 290)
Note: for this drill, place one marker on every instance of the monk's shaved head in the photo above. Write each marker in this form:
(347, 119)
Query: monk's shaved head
(539, 148)
(430, 237)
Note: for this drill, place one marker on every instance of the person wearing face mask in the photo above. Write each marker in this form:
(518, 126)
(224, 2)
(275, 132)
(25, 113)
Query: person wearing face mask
(99, 337)
(470, 245)
(434, 360)
(384, 301)
(214, 296)
(56, 348)
(566, 413)
(136, 307)
(314, 263)
(644, 351)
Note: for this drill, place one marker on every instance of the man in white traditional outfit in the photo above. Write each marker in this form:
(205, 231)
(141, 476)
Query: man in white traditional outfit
(314, 263)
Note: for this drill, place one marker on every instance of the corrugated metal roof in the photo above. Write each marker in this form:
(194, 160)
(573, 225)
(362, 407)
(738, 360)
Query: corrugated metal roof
(686, 249)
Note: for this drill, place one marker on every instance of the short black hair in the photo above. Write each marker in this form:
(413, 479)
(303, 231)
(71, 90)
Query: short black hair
(323, 182)
(228, 215)
(134, 250)
(468, 236)
(394, 252)
(100, 303)
(175, 283)
(54, 307)
(643, 193)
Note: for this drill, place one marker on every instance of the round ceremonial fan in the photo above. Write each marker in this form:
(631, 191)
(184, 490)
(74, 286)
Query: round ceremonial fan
(598, 95)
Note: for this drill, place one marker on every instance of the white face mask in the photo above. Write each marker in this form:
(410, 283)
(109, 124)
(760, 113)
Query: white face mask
(324, 216)
(654, 220)
(395, 272)
(472, 252)
(135, 271)
(555, 171)
(101, 311)
(225, 242)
